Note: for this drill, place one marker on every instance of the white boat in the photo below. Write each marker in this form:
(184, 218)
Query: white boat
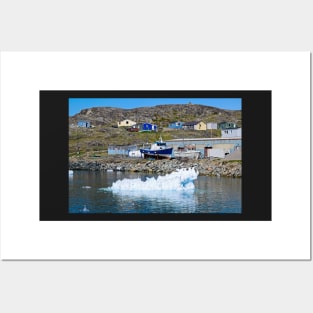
(184, 152)
(135, 154)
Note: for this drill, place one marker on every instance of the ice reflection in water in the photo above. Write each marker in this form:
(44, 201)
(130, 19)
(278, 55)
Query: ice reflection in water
(160, 201)
(206, 195)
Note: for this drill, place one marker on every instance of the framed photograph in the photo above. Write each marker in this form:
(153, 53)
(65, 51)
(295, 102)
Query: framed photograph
(156, 155)
(83, 176)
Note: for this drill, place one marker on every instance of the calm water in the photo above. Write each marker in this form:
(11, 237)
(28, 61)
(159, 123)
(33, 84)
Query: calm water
(210, 195)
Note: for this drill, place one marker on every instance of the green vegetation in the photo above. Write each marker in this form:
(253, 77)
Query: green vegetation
(95, 141)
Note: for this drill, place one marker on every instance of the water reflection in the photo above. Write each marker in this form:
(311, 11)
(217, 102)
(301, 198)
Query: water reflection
(210, 195)
(160, 201)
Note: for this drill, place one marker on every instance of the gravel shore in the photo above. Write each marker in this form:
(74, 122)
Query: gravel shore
(204, 166)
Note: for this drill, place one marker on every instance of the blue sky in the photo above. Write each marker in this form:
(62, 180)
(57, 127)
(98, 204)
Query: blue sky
(77, 104)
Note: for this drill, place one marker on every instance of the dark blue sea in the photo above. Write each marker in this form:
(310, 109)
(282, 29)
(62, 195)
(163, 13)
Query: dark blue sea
(91, 192)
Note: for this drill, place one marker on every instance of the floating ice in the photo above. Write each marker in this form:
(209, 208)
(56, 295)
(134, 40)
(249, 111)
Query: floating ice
(85, 210)
(180, 180)
(70, 172)
(86, 187)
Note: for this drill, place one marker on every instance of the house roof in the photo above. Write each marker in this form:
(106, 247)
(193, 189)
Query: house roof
(230, 128)
(226, 123)
(191, 123)
(143, 123)
(126, 120)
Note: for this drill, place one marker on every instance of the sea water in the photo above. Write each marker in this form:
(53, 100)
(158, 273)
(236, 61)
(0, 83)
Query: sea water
(183, 191)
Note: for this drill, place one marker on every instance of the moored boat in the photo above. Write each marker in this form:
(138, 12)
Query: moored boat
(158, 149)
(187, 151)
(190, 154)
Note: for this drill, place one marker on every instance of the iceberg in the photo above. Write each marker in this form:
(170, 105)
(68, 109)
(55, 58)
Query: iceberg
(179, 180)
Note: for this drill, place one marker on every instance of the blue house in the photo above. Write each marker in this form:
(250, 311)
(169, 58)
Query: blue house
(85, 124)
(176, 125)
(148, 127)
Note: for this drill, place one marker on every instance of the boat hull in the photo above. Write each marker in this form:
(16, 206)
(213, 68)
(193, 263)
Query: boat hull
(187, 154)
(162, 153)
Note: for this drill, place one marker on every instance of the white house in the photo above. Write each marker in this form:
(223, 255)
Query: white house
(211, 126)
(126, 123)
(231, 133)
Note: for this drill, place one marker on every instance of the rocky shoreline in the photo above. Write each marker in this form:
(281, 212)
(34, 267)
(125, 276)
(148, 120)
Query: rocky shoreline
(218, 168)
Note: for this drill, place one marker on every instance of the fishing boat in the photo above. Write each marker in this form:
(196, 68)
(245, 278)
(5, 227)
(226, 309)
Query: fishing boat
(187, 152)
(158, 150)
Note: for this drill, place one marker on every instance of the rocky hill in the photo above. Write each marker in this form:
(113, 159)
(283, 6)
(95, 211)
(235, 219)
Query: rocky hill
(160, 114)
(96, 139)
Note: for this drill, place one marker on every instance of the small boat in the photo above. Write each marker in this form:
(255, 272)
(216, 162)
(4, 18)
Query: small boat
(187, 152)
(158, 150)
(134, 154)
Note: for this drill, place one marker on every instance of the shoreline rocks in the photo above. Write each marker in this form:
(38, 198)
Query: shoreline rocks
(218, 168)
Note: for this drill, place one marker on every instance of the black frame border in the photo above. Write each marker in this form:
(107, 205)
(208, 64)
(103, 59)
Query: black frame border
(256, 155)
